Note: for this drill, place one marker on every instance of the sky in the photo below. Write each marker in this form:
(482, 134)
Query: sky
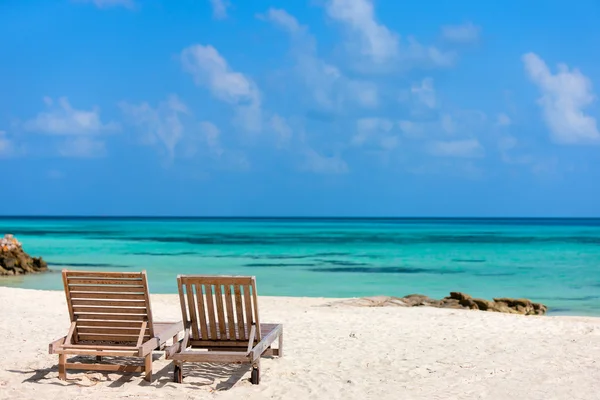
(300, 108)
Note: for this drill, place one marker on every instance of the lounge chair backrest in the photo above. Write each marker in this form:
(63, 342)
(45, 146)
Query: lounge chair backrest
(108, 306)
(219, 308)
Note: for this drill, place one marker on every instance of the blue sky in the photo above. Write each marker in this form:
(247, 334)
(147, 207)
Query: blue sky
(304, 108)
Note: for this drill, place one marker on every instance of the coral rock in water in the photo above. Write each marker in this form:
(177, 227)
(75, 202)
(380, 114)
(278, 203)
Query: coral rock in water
(14, 261)
(456, 300)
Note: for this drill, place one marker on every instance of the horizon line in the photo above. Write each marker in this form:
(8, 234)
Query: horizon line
(279, 217)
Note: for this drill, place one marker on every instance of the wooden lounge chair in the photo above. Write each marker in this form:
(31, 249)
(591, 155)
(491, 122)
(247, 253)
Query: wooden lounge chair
(110, 316)
(222, 325)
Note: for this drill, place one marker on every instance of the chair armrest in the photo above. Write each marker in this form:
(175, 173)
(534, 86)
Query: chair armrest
(57, 344)
(173, 349)
(180, 345)
(148, 347)
(266, 341)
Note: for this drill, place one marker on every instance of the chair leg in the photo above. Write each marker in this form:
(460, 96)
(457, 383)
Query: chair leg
(280, 348)
(255, 375)
(148, 367)
(62, 368)
(178, 372)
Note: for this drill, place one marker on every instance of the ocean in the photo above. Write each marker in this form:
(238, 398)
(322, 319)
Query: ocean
(553, 261)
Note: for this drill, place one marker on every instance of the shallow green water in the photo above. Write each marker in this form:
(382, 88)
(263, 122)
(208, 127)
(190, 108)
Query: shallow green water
(554, 261)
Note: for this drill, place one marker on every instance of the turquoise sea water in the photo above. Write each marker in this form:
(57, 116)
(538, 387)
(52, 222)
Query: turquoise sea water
(554, 261)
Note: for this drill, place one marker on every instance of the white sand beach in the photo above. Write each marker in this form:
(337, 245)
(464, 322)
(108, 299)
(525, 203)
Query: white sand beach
(338, 352)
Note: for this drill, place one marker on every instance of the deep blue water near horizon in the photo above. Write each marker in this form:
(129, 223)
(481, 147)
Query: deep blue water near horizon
(554, 261)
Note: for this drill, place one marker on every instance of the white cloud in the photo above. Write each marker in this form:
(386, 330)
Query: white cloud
(364, 93)
(425, 92)
(110, 3)
(418, 54)
(456, 124)
(412, 129)
(375, 130)
(82, 147)
(328, 87)
(282, 129)
(389, 142)
(448, 123)
(320, 164)
(468, 148)
(220, 8)
(564, 96)
(464, 122)
(161, 125)
(63, 119)
(204, 142)
(503, 120)
(210, 69)
(6, 146)
(375, 42)
(283, 19)
(465, 33)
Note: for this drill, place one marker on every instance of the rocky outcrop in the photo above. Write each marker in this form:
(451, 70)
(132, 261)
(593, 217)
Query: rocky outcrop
(14, 261)
(503, 304)
(456, 300)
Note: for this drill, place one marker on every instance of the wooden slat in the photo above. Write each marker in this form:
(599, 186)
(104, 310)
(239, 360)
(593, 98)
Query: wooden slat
(113, 289)
(100, 347)
(112, 317)
(220, 311)
(201, 312)
(89, 281)
(128, 275)
(106, 367)
(68, 295)
(248, 306)
(211, 312)
(108, 310)
(108, 303)
(111, 331)
(184, 311)
(110, 338)
(240, 312)
(192, 308)
(106, 353)
(217, 356)
(148, 304)
(216, 344)
(214, 280)
(117, 296)
(251, 338)
(255, 308)
(264, 330)
(142, 334)
(230, 315)
(110, 324)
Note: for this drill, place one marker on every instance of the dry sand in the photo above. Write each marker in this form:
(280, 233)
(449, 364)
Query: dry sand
(338, 352)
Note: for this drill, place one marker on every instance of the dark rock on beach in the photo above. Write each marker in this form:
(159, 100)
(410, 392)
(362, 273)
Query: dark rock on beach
(456, 300)
(14, 261)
